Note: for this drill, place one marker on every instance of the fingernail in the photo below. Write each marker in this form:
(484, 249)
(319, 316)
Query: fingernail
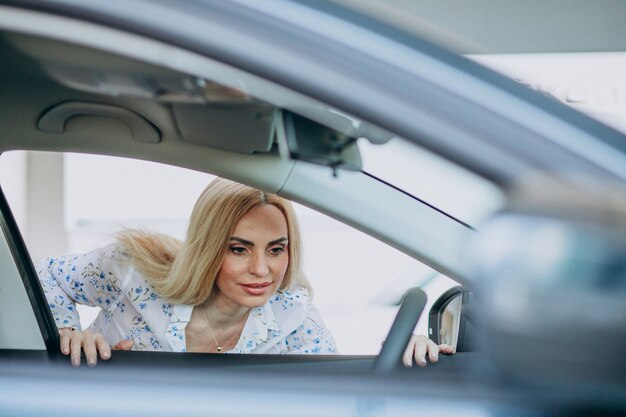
(75, 363)
(66, 351)
(91, 363)
(435, 358)
(408, 364)
(106, 355)
(422, 363)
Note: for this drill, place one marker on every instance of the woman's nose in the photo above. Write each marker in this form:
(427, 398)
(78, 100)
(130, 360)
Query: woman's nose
(259, 265)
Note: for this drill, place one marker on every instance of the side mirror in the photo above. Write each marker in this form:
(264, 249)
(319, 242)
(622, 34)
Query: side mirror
(448, 319)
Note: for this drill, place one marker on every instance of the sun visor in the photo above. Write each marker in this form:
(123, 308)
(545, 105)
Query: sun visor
(243, 128)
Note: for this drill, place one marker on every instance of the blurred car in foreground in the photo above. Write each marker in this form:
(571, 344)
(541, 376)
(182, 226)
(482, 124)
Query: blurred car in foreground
(286, 96)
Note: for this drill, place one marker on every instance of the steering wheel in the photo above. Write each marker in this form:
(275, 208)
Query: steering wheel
(390, 356)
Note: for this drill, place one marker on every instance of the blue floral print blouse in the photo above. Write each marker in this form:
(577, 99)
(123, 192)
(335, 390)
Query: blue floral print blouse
(131, 309)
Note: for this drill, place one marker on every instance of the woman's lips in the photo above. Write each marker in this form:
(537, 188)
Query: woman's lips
(256, 289)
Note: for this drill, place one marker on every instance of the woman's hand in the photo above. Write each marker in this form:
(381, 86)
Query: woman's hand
(419, 346)
(73, 342)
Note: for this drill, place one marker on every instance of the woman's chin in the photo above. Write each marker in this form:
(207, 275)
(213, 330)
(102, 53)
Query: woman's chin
(254, 302)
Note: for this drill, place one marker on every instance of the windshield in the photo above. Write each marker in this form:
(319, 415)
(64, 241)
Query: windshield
(428, 177)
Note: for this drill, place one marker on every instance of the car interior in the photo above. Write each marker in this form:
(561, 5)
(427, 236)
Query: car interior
(63, 97)
(119, 94)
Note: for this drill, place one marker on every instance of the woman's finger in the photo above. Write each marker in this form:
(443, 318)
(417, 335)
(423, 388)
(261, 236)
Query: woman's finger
(447, 349)
(102, 346)
(65, 341)
(433, 351)
(89, 347)
(420, 350)
(407, 357)
(75, 347)
(124, 345)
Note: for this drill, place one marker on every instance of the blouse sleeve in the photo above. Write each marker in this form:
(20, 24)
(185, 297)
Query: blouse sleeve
(89, 279)
(312, 337)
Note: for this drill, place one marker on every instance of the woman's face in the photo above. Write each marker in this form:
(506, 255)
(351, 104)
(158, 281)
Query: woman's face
(256, 260)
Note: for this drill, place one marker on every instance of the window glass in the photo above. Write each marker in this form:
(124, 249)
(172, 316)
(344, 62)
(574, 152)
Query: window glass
(459, 193)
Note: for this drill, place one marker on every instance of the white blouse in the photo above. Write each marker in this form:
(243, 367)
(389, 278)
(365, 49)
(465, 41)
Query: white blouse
(131, 309)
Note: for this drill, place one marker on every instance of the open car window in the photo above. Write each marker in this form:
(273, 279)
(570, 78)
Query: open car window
(73, 203)
(78, 202)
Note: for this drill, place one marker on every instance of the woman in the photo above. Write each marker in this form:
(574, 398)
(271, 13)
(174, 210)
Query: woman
(234, 285)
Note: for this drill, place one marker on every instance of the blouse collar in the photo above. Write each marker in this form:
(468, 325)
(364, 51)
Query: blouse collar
(260, 325)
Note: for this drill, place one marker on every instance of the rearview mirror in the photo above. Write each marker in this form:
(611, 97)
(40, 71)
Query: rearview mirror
(306, 140)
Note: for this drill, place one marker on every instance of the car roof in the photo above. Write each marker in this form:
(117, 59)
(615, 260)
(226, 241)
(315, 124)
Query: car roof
(507, 26)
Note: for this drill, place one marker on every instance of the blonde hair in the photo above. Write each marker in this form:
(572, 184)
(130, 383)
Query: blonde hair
(185, 272)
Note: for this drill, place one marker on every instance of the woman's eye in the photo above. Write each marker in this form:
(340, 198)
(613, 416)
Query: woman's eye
(238, 250)
(277, 250)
